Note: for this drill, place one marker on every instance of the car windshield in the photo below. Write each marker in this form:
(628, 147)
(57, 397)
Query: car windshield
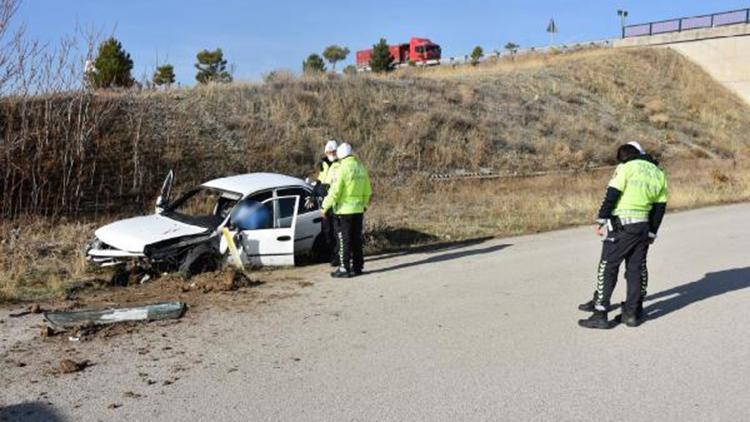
(202, 207)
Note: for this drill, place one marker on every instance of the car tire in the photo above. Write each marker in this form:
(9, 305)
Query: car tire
(200, 259)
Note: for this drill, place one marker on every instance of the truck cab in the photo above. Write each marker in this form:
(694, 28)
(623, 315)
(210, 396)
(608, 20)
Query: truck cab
(424, 51)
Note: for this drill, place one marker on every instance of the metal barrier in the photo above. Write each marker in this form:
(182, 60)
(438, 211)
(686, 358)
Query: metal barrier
(496, 54)
(732, 17)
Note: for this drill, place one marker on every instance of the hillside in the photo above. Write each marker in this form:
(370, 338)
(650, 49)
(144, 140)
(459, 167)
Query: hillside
(105, 155)
(109, 151)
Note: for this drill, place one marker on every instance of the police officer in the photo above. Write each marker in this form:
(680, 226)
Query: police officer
(326, 173)
(632, 211)
(348, 197)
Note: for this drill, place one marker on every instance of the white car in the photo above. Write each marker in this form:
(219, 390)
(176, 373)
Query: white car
(186, 234)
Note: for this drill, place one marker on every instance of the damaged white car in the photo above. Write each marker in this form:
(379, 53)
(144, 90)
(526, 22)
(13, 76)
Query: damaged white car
(269, 219)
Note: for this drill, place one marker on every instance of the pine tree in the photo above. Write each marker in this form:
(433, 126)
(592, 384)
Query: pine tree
(335, 53)
(314, 64)
(112, 66)
(476, 54)
(164, 75)
(512, 49)
(381, 59)
(212, 67)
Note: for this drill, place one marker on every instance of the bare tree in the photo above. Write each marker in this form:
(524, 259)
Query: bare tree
(8, 40)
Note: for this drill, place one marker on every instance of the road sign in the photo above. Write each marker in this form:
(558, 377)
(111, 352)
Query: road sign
(552, 28)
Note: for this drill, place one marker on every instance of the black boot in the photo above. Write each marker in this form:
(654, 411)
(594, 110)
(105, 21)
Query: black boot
(341, 273)
(639, 310)
(587, 307)
(632, 319)
(597, 320)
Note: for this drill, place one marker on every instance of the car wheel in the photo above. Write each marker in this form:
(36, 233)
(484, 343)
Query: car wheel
(200, 259)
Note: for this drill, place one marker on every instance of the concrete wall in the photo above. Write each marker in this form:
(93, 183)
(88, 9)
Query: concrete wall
(724, 52)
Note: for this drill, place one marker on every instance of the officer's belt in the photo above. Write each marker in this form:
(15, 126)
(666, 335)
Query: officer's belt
(631, 220)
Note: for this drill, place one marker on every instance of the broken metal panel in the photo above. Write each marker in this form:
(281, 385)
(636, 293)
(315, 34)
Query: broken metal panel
(113, 253)
(157, 311)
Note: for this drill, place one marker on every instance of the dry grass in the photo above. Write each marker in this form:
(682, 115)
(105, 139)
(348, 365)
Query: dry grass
(42, 258)
(538, 112)
(461, 209)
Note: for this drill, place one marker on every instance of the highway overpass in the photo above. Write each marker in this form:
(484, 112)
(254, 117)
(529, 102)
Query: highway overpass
(719, 43)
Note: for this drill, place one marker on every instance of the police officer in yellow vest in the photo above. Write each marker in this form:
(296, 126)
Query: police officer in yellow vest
(348, 197)
(632, 211)
(326, 172)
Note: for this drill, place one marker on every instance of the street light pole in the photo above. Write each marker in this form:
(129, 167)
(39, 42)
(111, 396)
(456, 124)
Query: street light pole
(622, 14)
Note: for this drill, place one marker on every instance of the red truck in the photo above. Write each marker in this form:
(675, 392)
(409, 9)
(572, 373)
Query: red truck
(421, 51)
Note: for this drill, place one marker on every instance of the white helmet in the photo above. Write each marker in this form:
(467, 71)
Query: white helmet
(637, 146)
(344, 150)
(330, 146)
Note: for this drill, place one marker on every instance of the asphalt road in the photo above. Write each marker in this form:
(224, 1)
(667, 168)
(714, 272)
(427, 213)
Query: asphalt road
(480, 332)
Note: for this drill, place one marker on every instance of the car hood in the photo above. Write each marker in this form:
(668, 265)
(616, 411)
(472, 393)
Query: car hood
(134, 234)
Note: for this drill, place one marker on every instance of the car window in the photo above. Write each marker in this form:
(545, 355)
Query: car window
(203, 207)
(252, 215)
(261, 196)
(283, 212)
(273, 214)
(303, 195)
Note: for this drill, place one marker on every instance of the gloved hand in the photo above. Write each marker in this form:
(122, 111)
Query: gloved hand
(309, 202)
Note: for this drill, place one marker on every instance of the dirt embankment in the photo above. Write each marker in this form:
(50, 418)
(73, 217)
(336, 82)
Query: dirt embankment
(106, 152)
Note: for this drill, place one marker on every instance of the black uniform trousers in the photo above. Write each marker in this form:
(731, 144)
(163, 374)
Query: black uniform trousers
(349, 232)
(629, 243)
(332, 241)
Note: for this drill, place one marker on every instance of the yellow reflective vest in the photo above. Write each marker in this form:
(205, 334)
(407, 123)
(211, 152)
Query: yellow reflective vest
(327, 171)
(350, 189)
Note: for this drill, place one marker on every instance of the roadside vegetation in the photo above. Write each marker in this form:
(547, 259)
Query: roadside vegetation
(75, 159)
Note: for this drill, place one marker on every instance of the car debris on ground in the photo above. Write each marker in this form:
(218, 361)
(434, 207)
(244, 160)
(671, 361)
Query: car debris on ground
(68, 366)
(157, 311)
(31, 309)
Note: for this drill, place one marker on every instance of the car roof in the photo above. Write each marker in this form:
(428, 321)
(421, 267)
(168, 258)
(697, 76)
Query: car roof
(246, 184)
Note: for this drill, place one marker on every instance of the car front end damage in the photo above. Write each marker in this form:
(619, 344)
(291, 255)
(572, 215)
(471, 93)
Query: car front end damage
(104, 255)
(152, 244)
(159, 257)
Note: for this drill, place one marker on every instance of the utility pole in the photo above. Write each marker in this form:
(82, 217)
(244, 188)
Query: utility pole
(623, 14)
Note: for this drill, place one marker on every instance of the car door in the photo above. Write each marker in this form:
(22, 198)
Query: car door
(165, 193)
(272, 245)
(308, 219)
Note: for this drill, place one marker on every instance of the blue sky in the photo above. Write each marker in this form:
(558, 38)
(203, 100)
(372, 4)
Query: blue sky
(260, 36)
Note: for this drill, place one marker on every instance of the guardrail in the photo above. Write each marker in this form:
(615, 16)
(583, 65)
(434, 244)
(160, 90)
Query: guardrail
(733, 17)
(496, 54)
(491, 174)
